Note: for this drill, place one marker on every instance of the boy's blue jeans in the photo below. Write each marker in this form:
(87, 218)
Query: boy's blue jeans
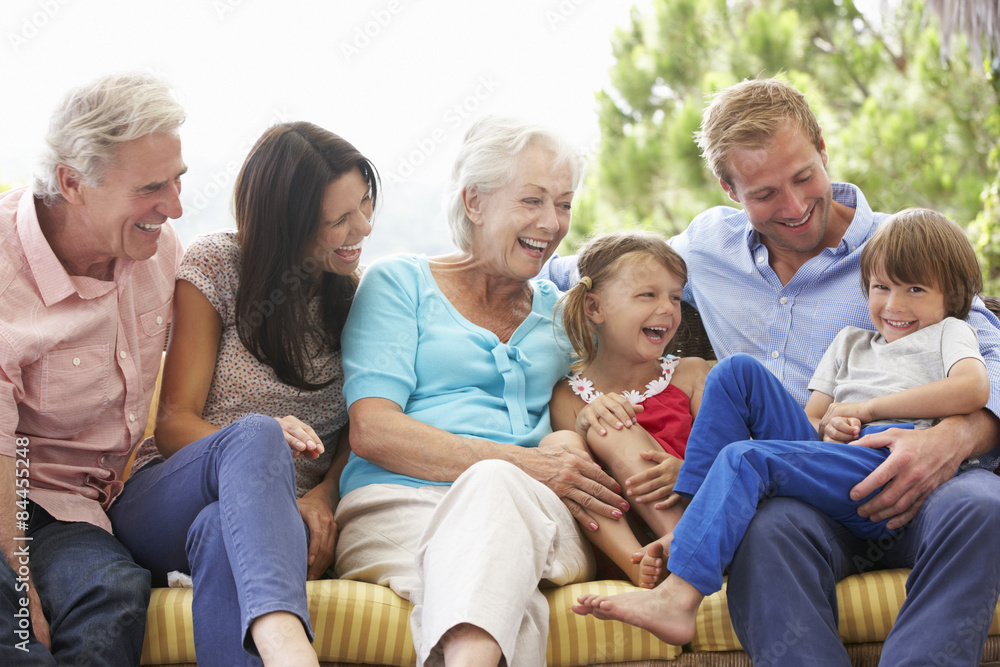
(728, 473)
(782, 588)
(224, 509)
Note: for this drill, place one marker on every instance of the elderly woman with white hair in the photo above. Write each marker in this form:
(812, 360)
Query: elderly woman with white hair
(449, 364)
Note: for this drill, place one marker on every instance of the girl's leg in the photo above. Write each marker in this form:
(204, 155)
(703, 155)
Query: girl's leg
(742, 400)
(254, 530)
(715, 522)
(613, 538)
(619, 450)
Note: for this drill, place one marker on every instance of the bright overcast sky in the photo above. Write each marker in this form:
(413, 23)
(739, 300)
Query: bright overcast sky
(400, 79)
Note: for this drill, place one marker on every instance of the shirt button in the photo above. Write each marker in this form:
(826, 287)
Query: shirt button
(76, 361)
(122, 354)
(159, 320)
(131, 417)
(783, 301)
(774, 355)
(760, 260)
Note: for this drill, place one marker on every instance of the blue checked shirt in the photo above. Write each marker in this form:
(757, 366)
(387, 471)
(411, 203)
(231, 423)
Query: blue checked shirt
(745, 308)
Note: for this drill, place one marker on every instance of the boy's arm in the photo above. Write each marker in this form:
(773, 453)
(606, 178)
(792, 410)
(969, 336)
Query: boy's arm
(816, 407)
(965, 390)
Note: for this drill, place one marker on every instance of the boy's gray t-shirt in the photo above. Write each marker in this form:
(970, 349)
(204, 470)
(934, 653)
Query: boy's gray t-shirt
(860, 365)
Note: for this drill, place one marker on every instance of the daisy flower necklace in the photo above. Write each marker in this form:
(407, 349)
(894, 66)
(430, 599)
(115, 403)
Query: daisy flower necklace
(584, 388)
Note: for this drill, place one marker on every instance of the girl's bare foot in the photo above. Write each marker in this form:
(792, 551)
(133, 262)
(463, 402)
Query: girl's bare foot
(669, 611)
(649, 563)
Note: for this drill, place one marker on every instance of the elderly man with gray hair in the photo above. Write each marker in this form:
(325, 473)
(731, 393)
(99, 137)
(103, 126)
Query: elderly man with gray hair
(87, 265)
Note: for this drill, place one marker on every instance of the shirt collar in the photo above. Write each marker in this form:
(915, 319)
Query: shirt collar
(54, 283)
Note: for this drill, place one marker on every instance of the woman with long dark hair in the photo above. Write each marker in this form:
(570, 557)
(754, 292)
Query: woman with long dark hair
(239, 483)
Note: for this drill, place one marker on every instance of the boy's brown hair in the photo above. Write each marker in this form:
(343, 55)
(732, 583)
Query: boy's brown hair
(600, 259)
(919, 246)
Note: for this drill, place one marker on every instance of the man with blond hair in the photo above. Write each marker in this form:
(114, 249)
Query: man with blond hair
(87, 265)
(778, 278)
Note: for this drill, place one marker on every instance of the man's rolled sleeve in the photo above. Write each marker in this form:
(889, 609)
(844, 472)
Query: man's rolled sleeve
(988, 332)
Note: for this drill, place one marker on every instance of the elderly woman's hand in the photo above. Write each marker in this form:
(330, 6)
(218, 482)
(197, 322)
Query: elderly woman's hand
(577, 480)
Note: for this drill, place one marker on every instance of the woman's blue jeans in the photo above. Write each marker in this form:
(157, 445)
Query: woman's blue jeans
(224, 509)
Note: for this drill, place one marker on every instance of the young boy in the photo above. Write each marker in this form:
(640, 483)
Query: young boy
(920, 273)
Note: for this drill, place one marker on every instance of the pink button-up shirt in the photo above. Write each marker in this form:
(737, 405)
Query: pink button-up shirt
(78, 363)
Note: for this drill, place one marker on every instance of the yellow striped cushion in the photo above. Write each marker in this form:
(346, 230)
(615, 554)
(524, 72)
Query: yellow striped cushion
(359, 622)
(868, 605)
(364, 623)
(714, 631)
(582, 640)
(353, 622)
(169, 638)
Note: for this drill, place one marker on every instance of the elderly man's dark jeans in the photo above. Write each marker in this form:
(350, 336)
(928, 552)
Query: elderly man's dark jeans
(93, 593)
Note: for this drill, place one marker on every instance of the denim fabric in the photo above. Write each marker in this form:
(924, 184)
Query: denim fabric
(93, 594)
(743, 400)
(783, 575)
(782, 581)
(223, 508)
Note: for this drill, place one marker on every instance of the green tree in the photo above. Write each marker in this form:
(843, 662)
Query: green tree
(906, 124)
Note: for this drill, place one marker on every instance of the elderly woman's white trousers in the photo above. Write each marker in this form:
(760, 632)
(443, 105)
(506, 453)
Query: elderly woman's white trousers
(474, 552)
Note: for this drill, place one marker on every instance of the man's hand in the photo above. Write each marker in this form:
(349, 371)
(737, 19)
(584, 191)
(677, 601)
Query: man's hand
(606, 410)
(577, 480)
(918, 463)
(656, 483)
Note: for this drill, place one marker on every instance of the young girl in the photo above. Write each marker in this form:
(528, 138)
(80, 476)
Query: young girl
(628, 301)
(920, 273)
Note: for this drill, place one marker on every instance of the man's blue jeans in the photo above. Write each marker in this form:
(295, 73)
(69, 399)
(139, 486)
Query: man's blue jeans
(93, 594)
(223, 508)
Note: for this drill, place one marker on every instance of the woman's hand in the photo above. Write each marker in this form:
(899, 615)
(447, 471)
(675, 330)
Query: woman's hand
(577, 480)
(611, 409)
(300, 437)
(316, 509)
(656, 484)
